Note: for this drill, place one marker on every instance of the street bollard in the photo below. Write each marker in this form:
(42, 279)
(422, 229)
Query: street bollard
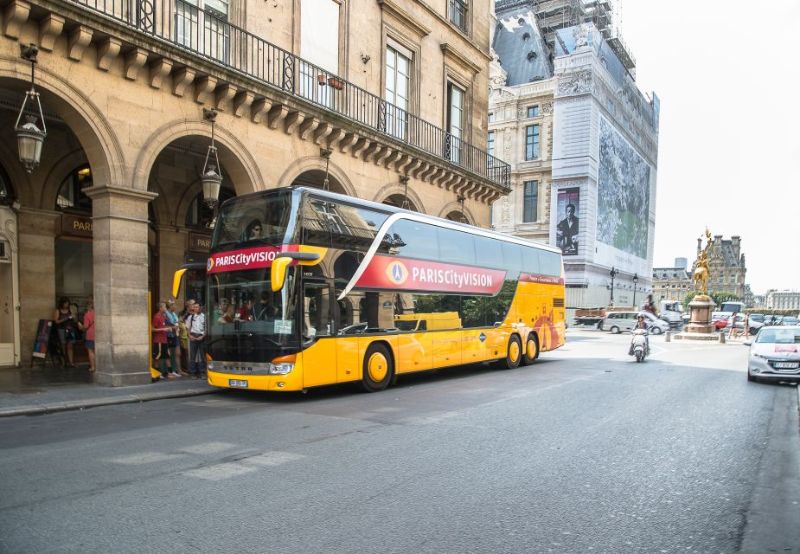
(722, 338)
(668, 336)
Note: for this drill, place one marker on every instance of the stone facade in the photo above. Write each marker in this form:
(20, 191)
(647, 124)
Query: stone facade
(118, 184)
(671, 283)
(598, 140)
(783, 300)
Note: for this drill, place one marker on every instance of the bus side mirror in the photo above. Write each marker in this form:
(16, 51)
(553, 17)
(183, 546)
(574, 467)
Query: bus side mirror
(277, 274)
(176, 282)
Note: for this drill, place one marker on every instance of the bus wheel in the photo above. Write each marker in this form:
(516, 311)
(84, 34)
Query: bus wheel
(531, 350)
(378, 368)
(514, 353)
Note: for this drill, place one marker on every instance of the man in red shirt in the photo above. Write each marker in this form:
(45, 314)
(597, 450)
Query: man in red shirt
(88, 328)
(160, 329)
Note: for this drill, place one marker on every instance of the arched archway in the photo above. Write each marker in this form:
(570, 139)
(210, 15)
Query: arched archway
(397, 194)
(400, 201)
(455, 211)
(195, 136)
(310, 171)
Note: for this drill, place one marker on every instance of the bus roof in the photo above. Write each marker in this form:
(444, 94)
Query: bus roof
(473, 229)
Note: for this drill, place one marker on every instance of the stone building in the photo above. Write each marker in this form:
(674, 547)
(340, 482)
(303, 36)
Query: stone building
(783, 300)
(672, 283)
(116, 205)
(582, 141)
(726, 266)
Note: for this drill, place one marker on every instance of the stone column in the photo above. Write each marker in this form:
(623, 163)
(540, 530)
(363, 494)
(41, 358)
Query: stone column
(37, 270)
(120, 227)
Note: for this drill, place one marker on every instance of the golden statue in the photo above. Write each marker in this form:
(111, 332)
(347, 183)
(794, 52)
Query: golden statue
(701, 272)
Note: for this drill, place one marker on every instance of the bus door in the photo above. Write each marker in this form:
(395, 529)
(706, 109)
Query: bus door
(317, 325)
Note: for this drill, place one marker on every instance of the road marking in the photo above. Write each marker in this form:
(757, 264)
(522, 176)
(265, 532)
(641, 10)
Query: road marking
(142, 458)
(207, 448)
(272, 458)
(219, 472)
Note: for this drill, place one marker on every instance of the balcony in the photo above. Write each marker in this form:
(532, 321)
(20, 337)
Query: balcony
(207, 34)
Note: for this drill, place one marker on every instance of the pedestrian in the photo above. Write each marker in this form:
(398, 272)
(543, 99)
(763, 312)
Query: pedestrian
(88, 332)
(184, 335)
(160, 349)
(67, 329)
(172, 339)
(197, 335)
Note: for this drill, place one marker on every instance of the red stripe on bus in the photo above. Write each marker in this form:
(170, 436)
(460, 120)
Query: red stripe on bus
(389, 272)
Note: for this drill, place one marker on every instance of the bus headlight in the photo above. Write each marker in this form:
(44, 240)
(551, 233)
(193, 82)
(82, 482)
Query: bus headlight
(281, 368)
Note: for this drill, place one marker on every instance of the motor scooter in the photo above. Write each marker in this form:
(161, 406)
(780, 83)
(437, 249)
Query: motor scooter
(639, 345)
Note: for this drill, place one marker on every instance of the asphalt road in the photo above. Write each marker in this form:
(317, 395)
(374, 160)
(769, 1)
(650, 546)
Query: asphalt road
(585, 451)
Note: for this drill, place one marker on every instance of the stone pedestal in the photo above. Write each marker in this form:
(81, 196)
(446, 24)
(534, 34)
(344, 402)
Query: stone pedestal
(120, 226)
(701, 307)
(700, 326)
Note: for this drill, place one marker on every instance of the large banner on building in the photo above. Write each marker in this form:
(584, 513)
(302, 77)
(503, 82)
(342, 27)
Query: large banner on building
(623, 205)
(568, 205)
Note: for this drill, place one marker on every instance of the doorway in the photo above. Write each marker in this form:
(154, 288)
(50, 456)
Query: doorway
(9, 291)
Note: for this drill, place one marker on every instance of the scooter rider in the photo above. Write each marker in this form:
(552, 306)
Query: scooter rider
(641, 323)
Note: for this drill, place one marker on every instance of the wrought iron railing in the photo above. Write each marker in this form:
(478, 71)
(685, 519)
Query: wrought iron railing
(208, 34)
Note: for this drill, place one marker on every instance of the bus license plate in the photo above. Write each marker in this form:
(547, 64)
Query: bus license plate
(238, 383)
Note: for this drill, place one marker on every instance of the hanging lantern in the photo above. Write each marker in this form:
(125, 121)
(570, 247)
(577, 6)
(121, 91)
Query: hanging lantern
(211, 179)
(30, 137)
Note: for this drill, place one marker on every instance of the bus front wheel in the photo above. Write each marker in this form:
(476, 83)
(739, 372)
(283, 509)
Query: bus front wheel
(378, 368)
(513, 354)
(531, 350)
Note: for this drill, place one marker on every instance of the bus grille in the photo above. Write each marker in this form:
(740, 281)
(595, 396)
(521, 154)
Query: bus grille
(558, 302)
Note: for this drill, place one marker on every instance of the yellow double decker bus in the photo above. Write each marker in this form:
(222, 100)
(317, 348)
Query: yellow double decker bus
(308, 288)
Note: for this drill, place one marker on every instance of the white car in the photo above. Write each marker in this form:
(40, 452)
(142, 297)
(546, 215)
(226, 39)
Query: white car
(619, 322)
(775, 354)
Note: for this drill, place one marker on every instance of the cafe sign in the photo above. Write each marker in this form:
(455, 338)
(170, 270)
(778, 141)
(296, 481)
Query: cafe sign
(76, 225)
(199, 243)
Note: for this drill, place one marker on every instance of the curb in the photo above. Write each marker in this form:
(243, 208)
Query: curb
(35, 409)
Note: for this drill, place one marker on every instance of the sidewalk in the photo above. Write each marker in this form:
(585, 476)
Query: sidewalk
(37, 391)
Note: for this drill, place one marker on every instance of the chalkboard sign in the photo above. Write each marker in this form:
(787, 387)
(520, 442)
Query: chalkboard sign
(42, 338)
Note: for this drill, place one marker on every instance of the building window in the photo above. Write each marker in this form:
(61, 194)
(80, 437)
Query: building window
(490, 147)
(458, 13)
(397, 91)
(532, 142)
(491, 117)
(202, 26)
(70, 194)
(533, 111)
(455, 121)
(530, 201)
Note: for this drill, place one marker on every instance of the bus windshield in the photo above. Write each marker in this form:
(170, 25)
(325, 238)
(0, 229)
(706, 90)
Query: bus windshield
(252, 223)
(247, 320)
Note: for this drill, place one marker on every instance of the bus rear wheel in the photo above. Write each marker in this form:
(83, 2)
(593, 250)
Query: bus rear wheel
(513, 354)
(531, 350)
(378, 368)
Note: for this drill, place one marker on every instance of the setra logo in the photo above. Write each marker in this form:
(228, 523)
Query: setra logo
(210, 264)
(397, 272)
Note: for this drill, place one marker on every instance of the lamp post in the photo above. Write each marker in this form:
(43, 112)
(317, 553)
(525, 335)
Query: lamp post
(30, 137)
(635, 280)
(211, 180)
(613, 274)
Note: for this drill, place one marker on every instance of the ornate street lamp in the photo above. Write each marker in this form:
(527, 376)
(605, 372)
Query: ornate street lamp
(29, 136)
(325, 153)
(211, 178)
(613, 274)
(635, 280)
(406, 205)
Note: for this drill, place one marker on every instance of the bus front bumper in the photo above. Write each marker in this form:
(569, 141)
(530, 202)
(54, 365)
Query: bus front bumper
(290, 382)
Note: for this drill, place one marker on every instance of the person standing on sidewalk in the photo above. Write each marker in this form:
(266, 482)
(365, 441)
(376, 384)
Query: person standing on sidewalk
(160, 349)
(197, 334)
(88, 329)
(184, 334)
(172, 339)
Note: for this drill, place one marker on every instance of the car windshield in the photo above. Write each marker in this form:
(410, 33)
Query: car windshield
(779, 336)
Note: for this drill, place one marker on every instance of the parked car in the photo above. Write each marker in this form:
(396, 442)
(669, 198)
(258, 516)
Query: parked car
(773, 320)
(790, 320)
(775, 354)
(757, 317)
(618, 322)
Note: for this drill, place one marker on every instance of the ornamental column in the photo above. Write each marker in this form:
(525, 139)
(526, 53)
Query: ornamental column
(120, 260)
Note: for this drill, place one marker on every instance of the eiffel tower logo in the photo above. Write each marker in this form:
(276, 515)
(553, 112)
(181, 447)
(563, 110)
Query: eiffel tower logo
(397, 273)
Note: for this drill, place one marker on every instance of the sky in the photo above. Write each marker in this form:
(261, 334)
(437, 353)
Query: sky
(728, 76)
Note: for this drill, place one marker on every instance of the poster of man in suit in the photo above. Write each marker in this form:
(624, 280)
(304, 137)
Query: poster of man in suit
(568, 204)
